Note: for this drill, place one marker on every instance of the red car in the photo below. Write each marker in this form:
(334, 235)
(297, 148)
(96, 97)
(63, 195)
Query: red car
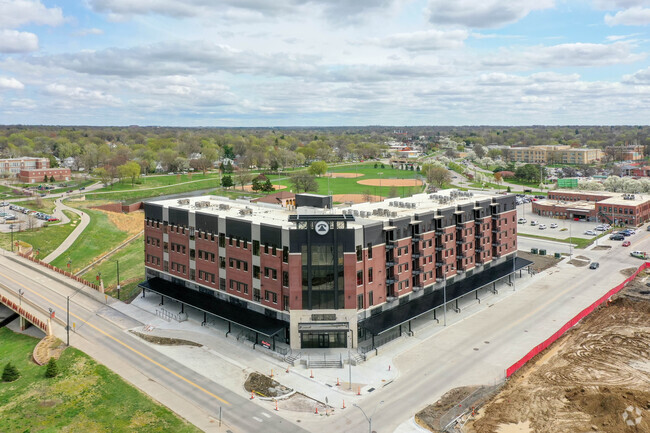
(627, 243)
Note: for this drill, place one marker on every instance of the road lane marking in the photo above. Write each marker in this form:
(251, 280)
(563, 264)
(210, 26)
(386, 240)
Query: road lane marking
(266, 414)
(170, 371)
(257, 419)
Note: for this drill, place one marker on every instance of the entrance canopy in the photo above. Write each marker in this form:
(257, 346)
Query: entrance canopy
(386, 320)
(323, 327)
(242, 316)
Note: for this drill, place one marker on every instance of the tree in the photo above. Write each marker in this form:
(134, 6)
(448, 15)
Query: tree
(317, 168)
(10, 373)
(104, 175)
(530, 172)
(52, 369)
(498, 178)
(45, 178)
(51, 178)
(304, 182)
(226, 181)
(479, 151)
(129, 170)
(436, 175)
(267, 186)
(451, 153)
(243, 177)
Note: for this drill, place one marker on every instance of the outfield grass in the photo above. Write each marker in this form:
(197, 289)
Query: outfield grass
(84, 397)
(47, 239)
(131, 259)
(104, 194)
(100, 236)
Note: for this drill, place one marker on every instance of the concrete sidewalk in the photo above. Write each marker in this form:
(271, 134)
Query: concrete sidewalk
(85, 220)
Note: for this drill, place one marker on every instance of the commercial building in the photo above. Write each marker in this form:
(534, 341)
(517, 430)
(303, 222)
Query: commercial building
(313, 276)
(625, 153)
(12, 166)
(602, 206)
(555, 155)
(38, 175)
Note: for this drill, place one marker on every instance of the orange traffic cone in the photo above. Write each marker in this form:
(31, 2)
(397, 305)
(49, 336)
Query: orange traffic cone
(252, 395)
(316, 410)
(343, 407)
(359, 391)
(271, 372)
(287, 369)
(276, 405)
(337, 382)
(311, 374)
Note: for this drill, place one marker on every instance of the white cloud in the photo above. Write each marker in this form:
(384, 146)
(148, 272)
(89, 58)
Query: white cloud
(11, 84)
(93, 31)
(639, 77)
(483, 14)
(13, 41)
(620, 4)
(630, 17)
(80, 94)
(428, 40)
(16, 13)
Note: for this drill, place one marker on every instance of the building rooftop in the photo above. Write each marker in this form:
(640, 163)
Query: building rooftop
(613, 198)
(364, 213)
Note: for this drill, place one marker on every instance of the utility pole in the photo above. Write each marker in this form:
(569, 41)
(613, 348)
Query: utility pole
(67, 326)
(444, 295)
(118, 280)
(350, 360)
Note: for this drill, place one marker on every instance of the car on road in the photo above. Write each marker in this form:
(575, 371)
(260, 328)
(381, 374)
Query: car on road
(617, 237)
(521, 221)
(627, 243)
(542, 226)
(630, 231)
(590, 233)
(648, 229)
(639, 254)
(594, 265)
(553, 226)
(600, 228)
(533, 223)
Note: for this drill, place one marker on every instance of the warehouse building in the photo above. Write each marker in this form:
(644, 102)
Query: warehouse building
(312, 276)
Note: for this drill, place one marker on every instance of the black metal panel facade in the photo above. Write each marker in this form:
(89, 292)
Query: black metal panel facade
(153, 211)
(271, 235)
(447, 215)
(505, 203)
(427, 221)
(484, 208)
(239, 228)
(345, 237)
(178, 217)
(403, 227)
(207, 222)
(314, 200)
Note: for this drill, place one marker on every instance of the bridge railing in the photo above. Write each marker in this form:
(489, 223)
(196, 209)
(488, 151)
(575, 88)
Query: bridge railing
(39, 322)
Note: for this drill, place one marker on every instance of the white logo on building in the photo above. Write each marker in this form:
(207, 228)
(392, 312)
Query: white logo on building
(632, 416)
(322, 227)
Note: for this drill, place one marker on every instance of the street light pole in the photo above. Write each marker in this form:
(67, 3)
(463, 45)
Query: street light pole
(11, 227)
(67, 326)
(118, 280)
(350, 360)
(368, 418)
(444, 295)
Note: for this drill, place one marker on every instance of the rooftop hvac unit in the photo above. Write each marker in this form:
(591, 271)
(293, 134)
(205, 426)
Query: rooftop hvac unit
(224, 206)
(182, 201)
(202, 204)
(356, 212)
(393, 214)
(374, 211)
(246, 211)
(412, 205)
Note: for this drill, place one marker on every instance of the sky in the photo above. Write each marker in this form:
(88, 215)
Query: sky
(324, 62)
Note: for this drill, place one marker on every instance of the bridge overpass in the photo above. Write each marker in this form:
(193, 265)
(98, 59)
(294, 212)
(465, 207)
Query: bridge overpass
(29, 312)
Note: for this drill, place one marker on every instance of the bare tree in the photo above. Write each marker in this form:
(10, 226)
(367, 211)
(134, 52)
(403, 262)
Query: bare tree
(243, 177)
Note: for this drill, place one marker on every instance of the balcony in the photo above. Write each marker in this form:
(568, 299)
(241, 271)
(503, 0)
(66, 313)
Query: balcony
(439, 231)
(417, 288)
(390, 246)
(415, 272)
(416, 237)
(390, 263)
(440, 248)
(416, 255)
(390, 281)
(439, 264)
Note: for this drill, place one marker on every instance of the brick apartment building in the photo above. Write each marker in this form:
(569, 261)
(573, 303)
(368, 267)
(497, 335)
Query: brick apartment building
(38, 175)
(626, 153)
(555, 155)
(313, 276)
(12, 166)
(602, 206)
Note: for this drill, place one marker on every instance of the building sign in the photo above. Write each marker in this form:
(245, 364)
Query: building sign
(266, 344)
(322, 227)
(322, 317)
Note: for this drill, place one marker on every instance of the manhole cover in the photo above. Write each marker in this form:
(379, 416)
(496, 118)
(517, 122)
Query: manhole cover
(476, 348)
(486, 342)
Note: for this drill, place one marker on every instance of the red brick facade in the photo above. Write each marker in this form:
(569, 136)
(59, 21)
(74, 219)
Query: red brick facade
(38, 175)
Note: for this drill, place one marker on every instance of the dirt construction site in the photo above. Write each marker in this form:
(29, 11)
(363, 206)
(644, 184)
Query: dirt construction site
(596, 378)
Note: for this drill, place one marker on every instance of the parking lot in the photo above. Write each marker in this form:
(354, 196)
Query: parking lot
(571, 228)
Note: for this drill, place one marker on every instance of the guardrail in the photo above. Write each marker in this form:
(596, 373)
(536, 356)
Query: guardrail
(61, 271)
(540, 347)
(18, 308)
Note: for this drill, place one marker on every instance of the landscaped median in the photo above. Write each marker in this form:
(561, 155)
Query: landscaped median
(83, 397)
(579, 243)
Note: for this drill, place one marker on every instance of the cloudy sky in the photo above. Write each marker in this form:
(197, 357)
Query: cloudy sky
(324, 62)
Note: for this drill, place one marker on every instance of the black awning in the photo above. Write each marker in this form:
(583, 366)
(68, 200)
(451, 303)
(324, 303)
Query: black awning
(225, 310)
(396, 316)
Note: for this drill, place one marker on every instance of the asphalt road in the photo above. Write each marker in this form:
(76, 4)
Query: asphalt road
(108, 342)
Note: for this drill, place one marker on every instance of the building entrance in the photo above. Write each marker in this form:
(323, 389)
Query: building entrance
(323, 340)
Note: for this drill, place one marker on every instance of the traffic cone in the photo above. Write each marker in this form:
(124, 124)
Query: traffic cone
(287, 369)
(252, 395)
(276, 405)
(343, 407)
(359, 391)
(271, 372)
(316, 410)
(311, 374)
(337, 382)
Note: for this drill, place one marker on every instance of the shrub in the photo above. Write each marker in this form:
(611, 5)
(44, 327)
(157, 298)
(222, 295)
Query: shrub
(52, 369)
(10, 373)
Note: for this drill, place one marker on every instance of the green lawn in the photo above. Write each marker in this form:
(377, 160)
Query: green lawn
(100, 236)
(39, 204)
(107, 194)
(580, 243)
(75, 184)
(47, 239)
(131, 260)
(84, 397)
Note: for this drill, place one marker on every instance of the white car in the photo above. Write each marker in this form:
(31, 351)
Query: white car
(600, 229)
(590, 233)
(533, 223)
(553, 226)
(542, 226)
(521, 221)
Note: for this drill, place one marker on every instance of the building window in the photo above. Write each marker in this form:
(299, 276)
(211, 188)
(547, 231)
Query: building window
(285, 302)
(222, 240)
(359, 278)
(370, 299)
(370, 276)
(285, 278)
(256, 295)
(359, 253)
(256, 248)
(360, 302)
(256, 271)
(369, 251)
(285, 254)
(266, 248)
(222, 262)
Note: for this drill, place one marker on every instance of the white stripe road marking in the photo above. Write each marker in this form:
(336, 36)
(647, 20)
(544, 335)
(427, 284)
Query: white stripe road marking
(266, 414)
(257, 419)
